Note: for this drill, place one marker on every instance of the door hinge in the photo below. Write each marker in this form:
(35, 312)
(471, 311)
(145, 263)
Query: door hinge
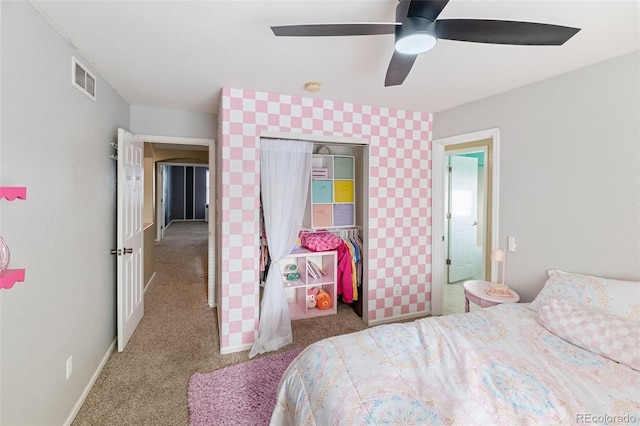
(448, 215)
(449, 169)
(448, 262)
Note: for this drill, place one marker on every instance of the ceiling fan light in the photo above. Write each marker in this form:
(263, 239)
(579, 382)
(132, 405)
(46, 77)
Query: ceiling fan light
(415, 43)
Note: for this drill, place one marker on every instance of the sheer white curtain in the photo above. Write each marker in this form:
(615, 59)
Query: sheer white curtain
(285, 168)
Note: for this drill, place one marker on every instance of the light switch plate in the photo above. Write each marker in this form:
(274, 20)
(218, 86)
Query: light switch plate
(511, 243)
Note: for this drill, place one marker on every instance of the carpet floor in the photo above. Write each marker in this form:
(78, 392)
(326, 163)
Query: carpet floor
(178, 337)
(240, 394)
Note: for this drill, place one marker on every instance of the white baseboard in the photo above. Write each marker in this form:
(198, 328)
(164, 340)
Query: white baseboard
(149, 282)
(415, 315)
(238, 348)
(87, 389)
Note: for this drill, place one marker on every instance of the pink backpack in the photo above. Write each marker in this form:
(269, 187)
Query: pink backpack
(319, 241)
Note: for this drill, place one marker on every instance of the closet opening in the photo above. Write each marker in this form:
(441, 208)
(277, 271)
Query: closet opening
(337, 203)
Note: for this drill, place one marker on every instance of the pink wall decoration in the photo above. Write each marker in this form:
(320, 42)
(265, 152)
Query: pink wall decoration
(399, 200)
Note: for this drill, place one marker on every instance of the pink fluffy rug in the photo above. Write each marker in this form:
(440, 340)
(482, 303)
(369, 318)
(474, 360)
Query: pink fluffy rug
(240, 394)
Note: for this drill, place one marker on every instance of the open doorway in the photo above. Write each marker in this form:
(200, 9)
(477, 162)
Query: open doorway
(465, 215)
(182, 193)
(194, 157)
(466, 212)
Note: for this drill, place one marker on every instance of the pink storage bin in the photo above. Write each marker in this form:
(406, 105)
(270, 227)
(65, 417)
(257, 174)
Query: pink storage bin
(322, 215)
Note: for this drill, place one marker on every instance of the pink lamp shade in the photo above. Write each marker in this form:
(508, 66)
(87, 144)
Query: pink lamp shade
(498, 255)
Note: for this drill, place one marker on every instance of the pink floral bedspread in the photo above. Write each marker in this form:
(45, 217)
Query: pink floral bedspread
(497, 366)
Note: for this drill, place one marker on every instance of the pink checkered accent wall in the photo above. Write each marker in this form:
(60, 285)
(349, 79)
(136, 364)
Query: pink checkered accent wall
(399, 200)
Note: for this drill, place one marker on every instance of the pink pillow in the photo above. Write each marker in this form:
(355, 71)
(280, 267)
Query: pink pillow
(320, 240)
(599, 332)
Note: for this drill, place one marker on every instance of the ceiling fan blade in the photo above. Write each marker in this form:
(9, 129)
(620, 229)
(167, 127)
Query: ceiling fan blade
(399, 68)
(429, 9)
(315, 30)
(503, 32)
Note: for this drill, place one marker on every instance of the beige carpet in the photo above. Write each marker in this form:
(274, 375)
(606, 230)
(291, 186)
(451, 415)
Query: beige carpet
(178, 336)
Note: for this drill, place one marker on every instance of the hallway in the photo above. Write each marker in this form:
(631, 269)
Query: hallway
(146, 384)
(177, 337)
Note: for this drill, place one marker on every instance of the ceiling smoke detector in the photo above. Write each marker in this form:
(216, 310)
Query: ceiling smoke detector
(312, 86)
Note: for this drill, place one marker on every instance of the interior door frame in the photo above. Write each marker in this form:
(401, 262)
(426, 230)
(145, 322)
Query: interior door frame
(448, 155)
(211, 299)
(438, 272)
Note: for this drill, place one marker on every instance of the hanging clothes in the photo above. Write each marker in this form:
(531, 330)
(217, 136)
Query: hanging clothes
(323, 240)
(354, 275)
(359, 253)
(345, 274)
(265, 258)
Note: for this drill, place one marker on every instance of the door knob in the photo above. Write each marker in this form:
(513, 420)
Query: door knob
(128, 250)
(116, 251)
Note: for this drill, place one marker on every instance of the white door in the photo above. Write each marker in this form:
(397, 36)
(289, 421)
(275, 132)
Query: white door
(130, 292)
(463, 208)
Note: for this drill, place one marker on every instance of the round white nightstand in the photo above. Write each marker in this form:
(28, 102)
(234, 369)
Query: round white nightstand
(476, 291)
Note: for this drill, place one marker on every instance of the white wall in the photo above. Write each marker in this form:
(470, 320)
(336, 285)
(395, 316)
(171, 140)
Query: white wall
(55, 141)
(569, 171)
(171, 122)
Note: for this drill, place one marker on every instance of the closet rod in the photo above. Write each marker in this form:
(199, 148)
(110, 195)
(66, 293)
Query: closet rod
(316, 139)
(331, 228)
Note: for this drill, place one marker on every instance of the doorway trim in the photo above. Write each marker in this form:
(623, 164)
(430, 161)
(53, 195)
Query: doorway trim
(346, 142)
(438, 273)
(211, 267)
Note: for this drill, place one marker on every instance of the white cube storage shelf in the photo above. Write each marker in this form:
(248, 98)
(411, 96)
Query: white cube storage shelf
(297, 290)
(332, 198)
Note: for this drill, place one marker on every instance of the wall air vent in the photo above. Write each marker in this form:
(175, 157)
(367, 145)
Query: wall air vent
(83, 79)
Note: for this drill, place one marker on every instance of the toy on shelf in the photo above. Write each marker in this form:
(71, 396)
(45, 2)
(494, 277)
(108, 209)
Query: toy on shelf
(5, 255)
(311, 297)
(323, 299)
(291, 272)
(8, 277)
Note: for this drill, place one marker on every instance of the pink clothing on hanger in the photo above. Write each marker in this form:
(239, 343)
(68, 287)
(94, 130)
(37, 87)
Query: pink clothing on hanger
(345, 277)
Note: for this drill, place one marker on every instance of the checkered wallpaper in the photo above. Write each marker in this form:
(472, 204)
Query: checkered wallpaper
(399, 200)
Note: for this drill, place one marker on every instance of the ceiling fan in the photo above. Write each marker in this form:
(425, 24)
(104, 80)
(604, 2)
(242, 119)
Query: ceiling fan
(417, 30)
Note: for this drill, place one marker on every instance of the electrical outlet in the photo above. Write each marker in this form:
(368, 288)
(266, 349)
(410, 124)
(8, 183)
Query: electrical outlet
(69, 367)
(396, 290)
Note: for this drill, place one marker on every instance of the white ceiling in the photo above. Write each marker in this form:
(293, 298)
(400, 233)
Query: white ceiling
(179, 54)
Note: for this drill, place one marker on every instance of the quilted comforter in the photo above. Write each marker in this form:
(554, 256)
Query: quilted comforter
(497, 366)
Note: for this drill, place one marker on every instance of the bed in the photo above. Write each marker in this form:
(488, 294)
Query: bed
(570, 357)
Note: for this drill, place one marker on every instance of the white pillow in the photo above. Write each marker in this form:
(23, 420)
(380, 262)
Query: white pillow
(602, 333)
(616, 297)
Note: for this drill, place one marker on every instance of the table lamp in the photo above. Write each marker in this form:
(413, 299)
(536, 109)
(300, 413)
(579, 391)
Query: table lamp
(498, 255)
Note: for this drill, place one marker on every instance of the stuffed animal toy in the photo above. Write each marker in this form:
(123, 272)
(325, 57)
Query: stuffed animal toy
(291, 272)
(311, 297)
(323, 299)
